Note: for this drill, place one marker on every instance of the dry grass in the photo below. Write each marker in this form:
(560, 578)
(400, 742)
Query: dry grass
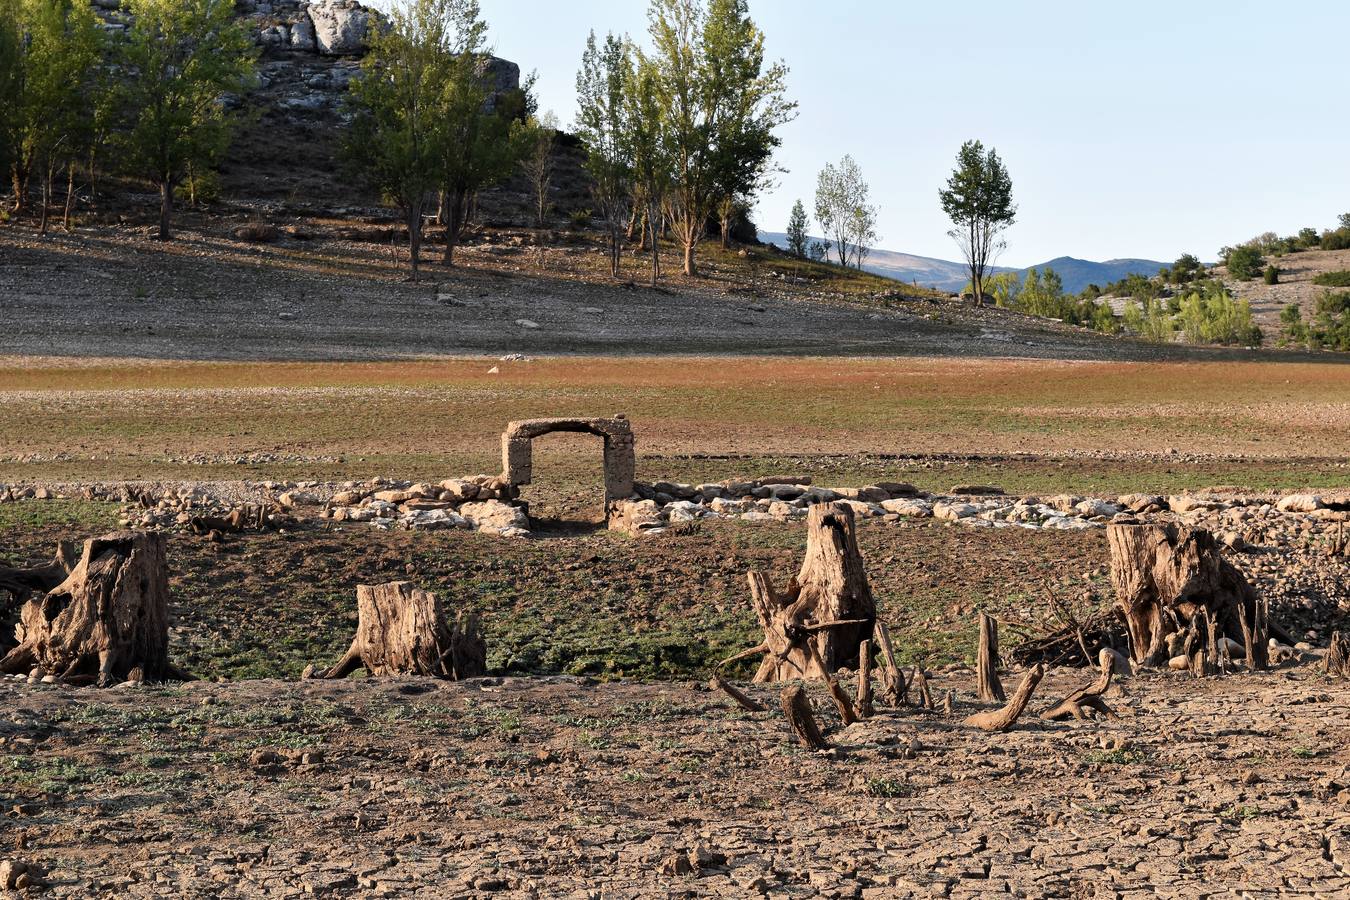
(125, 419)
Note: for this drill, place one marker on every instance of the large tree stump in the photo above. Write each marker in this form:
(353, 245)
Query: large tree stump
(1167, 577)
(987, 686)
(828, 604)
(18, 583)
(109, 618)
(402, 630)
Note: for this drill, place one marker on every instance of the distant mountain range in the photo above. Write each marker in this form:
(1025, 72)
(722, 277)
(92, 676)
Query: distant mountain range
(946, 275)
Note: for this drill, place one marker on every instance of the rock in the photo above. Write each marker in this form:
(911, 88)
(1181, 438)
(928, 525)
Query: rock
(527, 323)
(914, 509)
(685, 511)
(1093, 507)
(898, 489)
(460, 489)
(348, 498)
(1178, 664)
(1141, 502)
(302, 35)
(1235, 542)
(1186, 503)
(725, 507)
(393, 496)
(637, 517)
(340, 26)
(976, 490)
(951, 512)
(496, 517)
(1299, 503)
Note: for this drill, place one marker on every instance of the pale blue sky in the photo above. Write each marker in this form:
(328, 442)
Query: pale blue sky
(1136, 128)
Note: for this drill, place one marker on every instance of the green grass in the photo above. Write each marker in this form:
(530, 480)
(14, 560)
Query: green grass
(58, 513)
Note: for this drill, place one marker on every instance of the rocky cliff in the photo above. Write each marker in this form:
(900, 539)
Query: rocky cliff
(287, 153)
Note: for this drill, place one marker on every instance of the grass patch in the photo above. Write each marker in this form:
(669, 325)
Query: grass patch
(83, 514)
(1338, 279)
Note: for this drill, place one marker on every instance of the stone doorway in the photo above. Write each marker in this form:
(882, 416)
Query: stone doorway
(618, 454)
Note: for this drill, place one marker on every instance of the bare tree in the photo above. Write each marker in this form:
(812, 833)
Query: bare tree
(537, 163)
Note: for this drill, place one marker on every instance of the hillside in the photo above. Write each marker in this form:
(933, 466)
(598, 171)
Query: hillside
(952, 276)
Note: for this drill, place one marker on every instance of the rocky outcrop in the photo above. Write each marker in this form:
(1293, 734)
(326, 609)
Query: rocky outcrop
(340, 27)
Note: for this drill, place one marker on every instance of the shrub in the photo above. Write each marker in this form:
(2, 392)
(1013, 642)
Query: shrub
(1216, 317)
(1336, 240)
(1185, 269)
(1150, 320)
(1272, 275)
(580, 219)
(1333, 279)
(1244, 262)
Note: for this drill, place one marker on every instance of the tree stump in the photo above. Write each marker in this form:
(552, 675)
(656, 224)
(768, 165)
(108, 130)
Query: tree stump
(1338, 655)
(1166, 578)
(987, 686)
(402, 630)
(17, 584)
(828, 604)
(108, 618)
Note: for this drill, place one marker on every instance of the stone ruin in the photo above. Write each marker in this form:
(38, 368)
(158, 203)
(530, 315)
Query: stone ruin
(620, 459)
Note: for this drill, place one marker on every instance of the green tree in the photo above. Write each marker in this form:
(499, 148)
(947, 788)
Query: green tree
(1244, 263)
(484, 132)
(1150, 319)
(59, 50)
(648, 142)
(720, 107)
(1185, 269)
(603, 85)
(182, 60)
(1042, 294)
(11, 82)
(397, 105)
(844, 211)
(978, 200)
(796, 231)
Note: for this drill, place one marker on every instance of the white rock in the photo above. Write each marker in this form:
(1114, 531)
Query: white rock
(340, 26)
(1299, 503)
(953, 511)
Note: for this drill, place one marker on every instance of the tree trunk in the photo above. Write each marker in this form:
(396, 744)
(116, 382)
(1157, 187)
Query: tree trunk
(656, 252)
(402, 630)
(45, 215)
(19, 181)
(1077, 704)
(864, 698)
(70, 194)
(690, 268)
(988, 687)
(415, 237)
(828, 605)
(1166, 577)
(107, 621)
(165, 209)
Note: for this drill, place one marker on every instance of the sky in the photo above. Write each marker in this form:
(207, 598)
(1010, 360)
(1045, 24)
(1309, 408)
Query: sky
(1133, 129)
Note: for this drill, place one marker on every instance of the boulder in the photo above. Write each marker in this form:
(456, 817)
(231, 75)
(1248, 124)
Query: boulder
(340, 26)
(977, 490)
(914, 509)
(897, 489)
(1299, 503)
(302, 35)
(496, 517)
(637, 517)
(951, 512)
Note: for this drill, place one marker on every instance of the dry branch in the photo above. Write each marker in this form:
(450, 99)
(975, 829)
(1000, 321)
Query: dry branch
(864, 699)
(1089, 697)
(797, 709)
(743, 700)
(1005, 718)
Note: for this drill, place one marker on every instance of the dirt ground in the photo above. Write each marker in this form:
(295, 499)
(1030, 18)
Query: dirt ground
(557, 787)
(112, 291)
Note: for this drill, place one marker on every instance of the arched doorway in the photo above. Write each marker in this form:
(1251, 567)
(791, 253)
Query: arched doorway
(620, 463)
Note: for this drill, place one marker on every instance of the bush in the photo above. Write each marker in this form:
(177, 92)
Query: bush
(1216, 317)
(1272, 275)
(580, 219)
(1336, 240)
(1150, 320)
(1244, 263)
(1333, 279)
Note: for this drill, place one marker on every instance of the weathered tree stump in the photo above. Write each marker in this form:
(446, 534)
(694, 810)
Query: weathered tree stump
(896, 691)
(815, 627)
(797, 709)
(1338, 655)
(1167, 577)
(108, 619)
(987, 686)
(402, 630)
(1005, 718)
